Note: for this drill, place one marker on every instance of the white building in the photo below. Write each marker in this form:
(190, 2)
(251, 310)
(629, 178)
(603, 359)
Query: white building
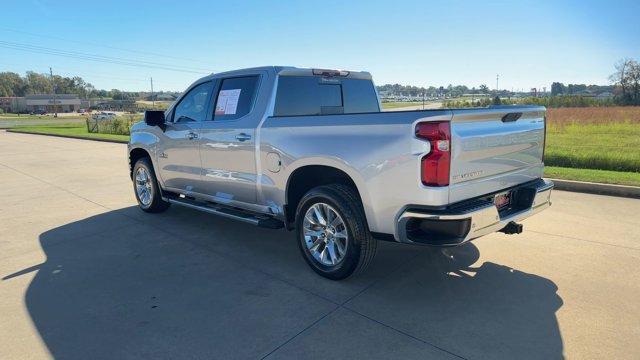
(63, 102)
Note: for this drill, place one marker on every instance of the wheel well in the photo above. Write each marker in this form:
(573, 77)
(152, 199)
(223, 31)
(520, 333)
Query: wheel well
(308, 177)
(135, 155)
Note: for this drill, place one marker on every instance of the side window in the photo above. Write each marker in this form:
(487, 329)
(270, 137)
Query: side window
(308, 95)
(235, 97)
(359, 96)
(193, 107)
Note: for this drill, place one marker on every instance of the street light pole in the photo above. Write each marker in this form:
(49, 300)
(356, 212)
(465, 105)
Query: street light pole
(153, 100)
(53, 86)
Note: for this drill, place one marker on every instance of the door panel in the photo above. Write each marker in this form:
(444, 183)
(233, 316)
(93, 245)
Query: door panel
(178, 158)
(227, 144)
(228, 164)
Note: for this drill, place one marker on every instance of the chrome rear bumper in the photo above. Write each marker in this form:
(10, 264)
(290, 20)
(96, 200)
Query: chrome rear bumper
(477, 220)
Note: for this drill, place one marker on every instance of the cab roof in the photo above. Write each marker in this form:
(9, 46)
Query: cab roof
(295, 71)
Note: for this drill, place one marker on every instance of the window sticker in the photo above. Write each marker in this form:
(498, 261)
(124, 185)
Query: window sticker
(227, 102)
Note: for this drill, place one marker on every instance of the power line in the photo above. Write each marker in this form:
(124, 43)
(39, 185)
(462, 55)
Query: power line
(102, 45)
(97, 58)
(86, 56)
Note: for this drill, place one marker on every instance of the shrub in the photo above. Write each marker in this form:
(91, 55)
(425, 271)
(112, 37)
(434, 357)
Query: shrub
(121, 125)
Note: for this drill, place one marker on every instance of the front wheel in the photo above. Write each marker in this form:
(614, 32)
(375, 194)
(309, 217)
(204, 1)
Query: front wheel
(145, 186)
(333, 235)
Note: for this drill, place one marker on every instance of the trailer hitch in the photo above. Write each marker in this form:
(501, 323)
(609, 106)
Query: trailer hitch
(512, 228)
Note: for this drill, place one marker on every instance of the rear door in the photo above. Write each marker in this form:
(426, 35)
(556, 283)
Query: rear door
(495, 148)
(227, 142)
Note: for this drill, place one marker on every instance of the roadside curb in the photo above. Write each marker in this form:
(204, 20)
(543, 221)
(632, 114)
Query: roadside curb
(597, 188)
(67, 136)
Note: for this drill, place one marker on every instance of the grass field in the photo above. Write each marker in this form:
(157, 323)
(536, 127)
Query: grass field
(76, 130)
(594, 138)
(26, 117)
(598, 176)
(400, 104)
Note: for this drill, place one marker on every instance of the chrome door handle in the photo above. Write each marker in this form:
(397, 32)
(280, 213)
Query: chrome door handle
(243, 137)
(192, 135)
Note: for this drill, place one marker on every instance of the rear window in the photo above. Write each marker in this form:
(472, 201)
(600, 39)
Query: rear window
(235, 97)
(311, 95)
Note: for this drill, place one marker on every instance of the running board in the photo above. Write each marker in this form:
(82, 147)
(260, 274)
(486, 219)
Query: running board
(235, 214)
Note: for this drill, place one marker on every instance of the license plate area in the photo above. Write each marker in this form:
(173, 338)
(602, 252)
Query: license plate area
(502, 200)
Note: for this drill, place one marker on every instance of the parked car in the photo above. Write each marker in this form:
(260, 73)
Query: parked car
(309, 150)
(104, 115)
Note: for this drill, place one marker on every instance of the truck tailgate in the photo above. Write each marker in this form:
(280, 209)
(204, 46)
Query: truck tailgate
(494, 149)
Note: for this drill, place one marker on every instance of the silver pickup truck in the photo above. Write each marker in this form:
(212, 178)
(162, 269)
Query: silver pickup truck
(310, 150)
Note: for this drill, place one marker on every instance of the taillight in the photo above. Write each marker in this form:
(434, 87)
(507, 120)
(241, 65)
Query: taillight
(435, 165)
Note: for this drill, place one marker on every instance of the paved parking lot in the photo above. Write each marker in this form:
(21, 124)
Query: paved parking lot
(85, 275)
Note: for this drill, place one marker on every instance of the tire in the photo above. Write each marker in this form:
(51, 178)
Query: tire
(360, 245)
(153, 204)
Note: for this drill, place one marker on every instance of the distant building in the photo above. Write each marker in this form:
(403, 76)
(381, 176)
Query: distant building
(63, 103)
(13, 104)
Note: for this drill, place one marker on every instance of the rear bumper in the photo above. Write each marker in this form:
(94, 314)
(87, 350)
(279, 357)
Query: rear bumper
(471, 219)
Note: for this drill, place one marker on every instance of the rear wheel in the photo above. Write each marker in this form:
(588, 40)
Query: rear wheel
(333, 235)
(145, 186)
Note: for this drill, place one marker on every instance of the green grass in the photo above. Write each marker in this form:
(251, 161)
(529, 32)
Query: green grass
(35, 117)
(613, 146)
(598, 176)
(76, 130)
(400, 104)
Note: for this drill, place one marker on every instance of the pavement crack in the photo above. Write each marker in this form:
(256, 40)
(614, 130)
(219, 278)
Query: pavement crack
(404, 333)
(302, 331)
(585, 240)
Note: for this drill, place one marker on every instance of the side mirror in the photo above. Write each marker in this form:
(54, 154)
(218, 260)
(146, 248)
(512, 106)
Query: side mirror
(154, 118)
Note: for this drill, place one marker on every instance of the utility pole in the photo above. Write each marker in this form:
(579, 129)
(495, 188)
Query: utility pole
(55, 102)
(153, 100)
(497, 77)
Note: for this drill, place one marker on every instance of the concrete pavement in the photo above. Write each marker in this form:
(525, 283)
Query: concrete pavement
(85, 274)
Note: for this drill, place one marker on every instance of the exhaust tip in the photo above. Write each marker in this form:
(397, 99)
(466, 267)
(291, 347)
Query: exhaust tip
(512, 228)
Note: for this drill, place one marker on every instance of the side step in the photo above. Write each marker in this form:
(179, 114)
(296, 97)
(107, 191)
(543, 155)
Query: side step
(231, 213)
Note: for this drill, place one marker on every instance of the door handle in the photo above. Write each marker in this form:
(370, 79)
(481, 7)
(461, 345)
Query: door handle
(192, 135)
(243, 137)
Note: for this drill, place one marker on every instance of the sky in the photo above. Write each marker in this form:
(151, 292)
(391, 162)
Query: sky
(422, 43)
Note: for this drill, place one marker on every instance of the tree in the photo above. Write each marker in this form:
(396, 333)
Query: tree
(627, 78)
(557, 88)
(38, 83)
(484, 89)
(11, 84)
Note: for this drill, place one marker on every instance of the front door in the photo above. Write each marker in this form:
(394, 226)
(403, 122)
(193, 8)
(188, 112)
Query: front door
(227, 143)
(178, 152)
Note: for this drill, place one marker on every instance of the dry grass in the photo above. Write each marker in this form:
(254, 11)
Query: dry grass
(594, 115)
(604, 138)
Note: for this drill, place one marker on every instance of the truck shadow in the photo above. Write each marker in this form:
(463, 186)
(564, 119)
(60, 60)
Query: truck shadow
(128, 285)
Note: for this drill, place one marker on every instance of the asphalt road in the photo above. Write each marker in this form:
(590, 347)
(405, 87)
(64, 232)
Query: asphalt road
(85, 275)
